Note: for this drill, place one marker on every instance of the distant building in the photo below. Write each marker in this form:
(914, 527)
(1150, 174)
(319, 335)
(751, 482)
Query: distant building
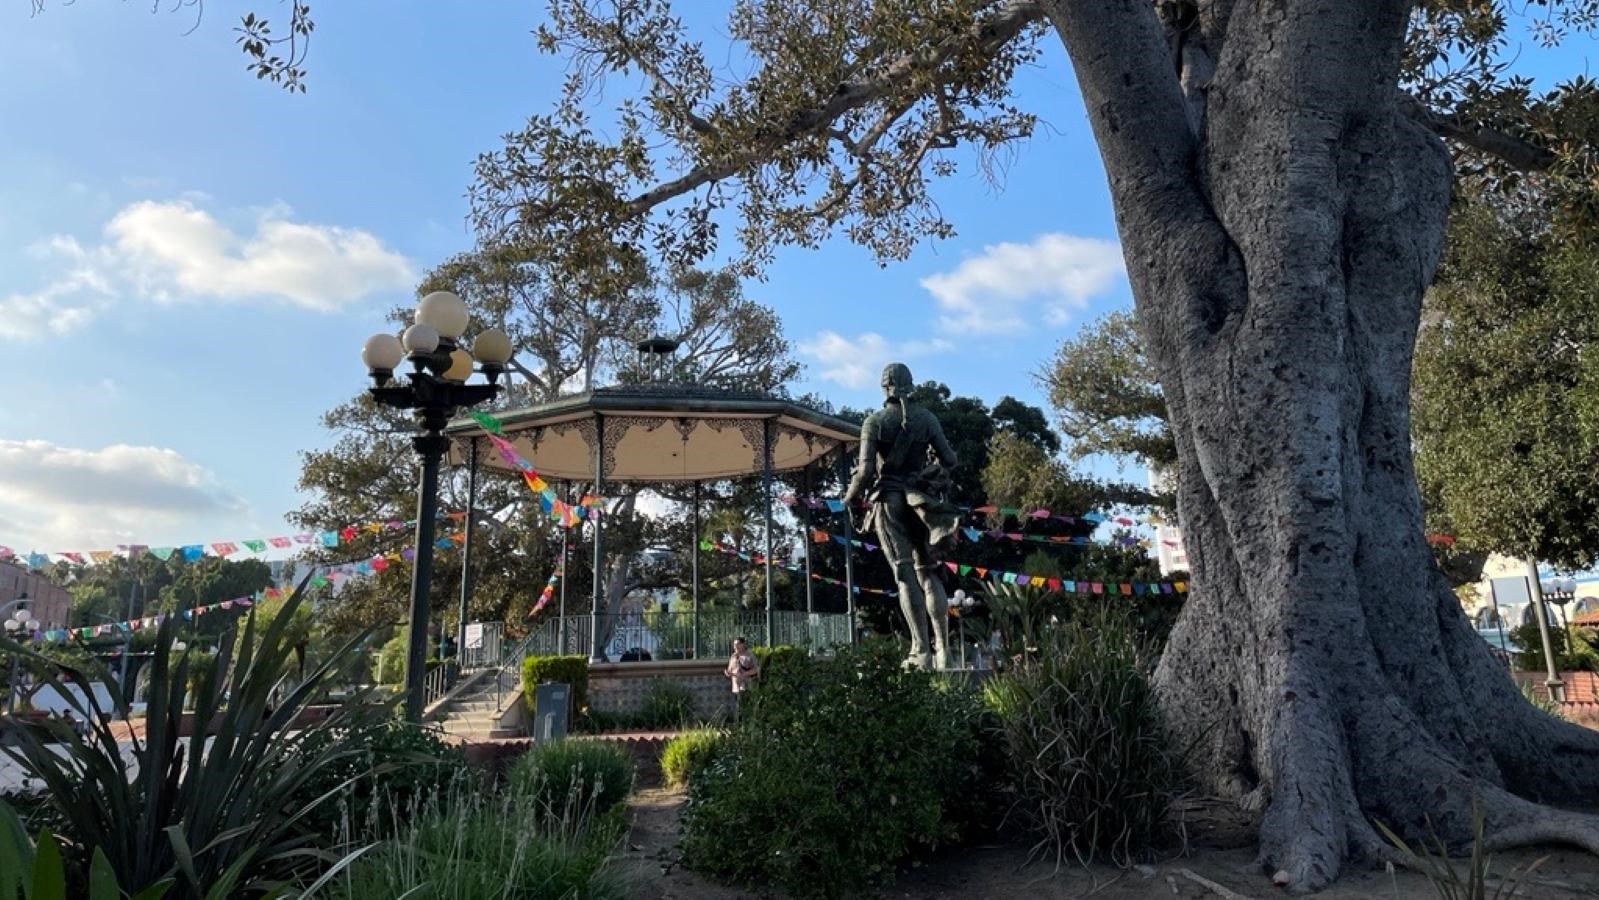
(49, 602)
(1169, 549)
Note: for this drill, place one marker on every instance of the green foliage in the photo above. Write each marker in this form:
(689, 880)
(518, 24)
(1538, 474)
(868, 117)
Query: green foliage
(219, 821)
(1579, 657)
(841, 770)
(1106, 396)
(569, 670)
(667, 704)
(781, 657)
(1022, 474)
(1095, 772)
(36, 870)
(590, 775)
(475, 845)
(391, 766)
(388, 667)
(1506, 402)
(690, 753)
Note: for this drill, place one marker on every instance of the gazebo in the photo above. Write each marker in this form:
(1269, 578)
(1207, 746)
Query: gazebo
(658, 433)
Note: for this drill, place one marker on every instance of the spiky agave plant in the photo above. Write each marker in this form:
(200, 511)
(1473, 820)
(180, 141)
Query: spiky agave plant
(217, 811)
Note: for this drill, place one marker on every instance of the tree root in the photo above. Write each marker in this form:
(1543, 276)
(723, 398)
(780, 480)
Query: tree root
(1552, 826)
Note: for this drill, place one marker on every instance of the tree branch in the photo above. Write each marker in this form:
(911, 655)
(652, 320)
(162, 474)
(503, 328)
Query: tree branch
(1135, 103)
(990, 35)
(1514, 151)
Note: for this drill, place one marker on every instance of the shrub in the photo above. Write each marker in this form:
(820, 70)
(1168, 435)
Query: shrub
(841, 769)
(151, 811)
(1579, 656)
(471, 845)
(568, 670)
(392, 766)
(667, 704)
(689, 754)
(779, 658)
(389, 666)
(1095, 773)
(574, 774)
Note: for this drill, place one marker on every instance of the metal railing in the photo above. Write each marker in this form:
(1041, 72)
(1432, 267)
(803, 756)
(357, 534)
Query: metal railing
(437, 682)
(490, 637)
(707, 634)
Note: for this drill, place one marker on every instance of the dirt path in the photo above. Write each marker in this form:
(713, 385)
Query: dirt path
(1220, 865)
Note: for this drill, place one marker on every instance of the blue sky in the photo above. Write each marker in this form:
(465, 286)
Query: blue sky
(189, 259)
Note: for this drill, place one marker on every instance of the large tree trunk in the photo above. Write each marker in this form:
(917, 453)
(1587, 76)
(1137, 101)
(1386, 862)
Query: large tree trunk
(1280, 221)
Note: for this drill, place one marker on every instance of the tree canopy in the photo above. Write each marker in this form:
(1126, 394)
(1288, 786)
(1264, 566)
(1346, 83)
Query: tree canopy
(1506, 391)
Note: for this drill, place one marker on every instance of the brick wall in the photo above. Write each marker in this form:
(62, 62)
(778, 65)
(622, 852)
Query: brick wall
(49, 602)
(621, 687)
(1581, 687)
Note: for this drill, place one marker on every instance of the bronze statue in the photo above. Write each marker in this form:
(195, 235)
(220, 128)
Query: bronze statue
(904, 465)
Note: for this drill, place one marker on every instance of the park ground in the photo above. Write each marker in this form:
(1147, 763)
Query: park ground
(1219, 863)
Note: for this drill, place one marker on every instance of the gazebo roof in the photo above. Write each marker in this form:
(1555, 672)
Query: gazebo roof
(662, 433)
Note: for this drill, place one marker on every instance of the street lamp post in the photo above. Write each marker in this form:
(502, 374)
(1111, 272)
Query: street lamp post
(21, 620)
(434, 391)
(1557, 688)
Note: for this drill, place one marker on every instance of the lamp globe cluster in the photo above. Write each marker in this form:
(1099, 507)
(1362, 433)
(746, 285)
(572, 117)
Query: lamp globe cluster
(432, 344)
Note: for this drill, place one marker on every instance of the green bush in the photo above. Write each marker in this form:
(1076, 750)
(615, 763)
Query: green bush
(574, 774)
(389, 666)
(152, 812)
(1579, 656)
(667, 704)
(840, 771)
(1095, 774)
(473, 845)
(568, 670)
(690, 753)
(395, 765)
(781, 657)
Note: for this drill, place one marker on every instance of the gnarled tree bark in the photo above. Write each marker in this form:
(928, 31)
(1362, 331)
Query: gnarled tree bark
(1281, 216)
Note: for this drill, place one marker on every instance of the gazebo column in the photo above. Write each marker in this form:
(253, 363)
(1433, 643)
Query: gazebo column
(597, 632)
(694, 578)
(849, 546)
(466, 553)
(566, 542)
(766, 486)
(805, 520)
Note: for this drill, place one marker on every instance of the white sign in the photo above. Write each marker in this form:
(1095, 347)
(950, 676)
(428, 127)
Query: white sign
(474, 636)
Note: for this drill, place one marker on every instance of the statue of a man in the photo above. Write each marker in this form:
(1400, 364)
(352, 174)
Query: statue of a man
(904, 472)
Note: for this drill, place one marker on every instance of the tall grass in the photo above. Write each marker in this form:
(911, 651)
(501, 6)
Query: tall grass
(557, 775)
(469, 845)
(1095, 774)
(688, 754)
(1431, 859)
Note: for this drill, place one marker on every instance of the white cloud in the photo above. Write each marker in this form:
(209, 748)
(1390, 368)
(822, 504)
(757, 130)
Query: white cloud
(990, 293)
(67, 498)
(175, 251)
(858, 362)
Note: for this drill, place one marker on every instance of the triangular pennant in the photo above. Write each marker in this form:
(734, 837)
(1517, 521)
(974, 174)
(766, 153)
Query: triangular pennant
(100, 556)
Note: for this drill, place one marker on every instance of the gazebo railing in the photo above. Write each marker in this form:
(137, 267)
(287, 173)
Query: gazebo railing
(686, 635)
(707, 634)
